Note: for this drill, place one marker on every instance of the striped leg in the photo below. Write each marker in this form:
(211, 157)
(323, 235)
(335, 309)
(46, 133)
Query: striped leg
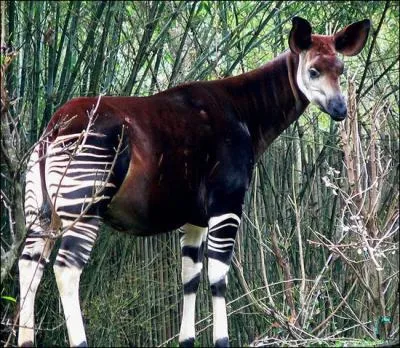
(221, 240)
(192, 245)
(34, 255)
(81, 190)
(31, 265)
(72, 256)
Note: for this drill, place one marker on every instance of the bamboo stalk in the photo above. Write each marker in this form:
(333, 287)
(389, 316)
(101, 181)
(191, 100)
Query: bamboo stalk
(98, 63)
(156, 8)
(178, 58)
(85, 48)
(65, 72)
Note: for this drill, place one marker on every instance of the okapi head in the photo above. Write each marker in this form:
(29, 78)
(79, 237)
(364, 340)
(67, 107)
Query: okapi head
(319, 69)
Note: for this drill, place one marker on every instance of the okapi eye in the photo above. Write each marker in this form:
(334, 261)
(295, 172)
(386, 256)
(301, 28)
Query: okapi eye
(314, 73)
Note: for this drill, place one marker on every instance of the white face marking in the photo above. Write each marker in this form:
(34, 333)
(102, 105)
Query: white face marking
(318, 90)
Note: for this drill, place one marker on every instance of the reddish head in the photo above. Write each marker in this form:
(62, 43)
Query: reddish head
(319, 69)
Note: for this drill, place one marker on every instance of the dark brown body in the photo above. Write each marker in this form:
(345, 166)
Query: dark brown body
(184, 140)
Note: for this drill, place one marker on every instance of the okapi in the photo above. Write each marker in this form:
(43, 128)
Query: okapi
(180, 158)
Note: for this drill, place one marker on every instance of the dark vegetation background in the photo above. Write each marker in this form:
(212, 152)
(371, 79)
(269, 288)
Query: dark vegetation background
(317, 257)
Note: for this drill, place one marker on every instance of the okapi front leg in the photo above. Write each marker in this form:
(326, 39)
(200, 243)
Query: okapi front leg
(221, 240)
(192, 244)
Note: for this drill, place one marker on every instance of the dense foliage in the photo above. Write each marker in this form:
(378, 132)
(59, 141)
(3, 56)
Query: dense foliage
(316, 261)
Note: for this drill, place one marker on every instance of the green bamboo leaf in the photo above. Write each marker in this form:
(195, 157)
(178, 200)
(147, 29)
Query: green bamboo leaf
(9, 298)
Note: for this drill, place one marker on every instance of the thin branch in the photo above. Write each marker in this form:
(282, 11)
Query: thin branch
(375, 35)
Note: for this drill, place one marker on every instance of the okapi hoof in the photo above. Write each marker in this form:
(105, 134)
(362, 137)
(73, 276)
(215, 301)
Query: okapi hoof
(188, 343)
(222, 342)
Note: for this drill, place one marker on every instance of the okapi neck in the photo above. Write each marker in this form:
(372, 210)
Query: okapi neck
(268, 99)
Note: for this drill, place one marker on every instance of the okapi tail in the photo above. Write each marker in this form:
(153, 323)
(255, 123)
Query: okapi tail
(48, 216)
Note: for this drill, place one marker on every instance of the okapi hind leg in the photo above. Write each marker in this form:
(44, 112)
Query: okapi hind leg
(81, 187)
(31, 266)
(193, 240)
(74, 252)
(35, 253)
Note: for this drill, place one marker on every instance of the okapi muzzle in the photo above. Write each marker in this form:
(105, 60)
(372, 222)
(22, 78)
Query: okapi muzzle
(337, 108)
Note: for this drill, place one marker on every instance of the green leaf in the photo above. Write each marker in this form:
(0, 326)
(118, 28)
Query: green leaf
(9, 298)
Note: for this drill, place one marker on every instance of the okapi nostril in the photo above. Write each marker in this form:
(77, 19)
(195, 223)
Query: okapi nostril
(340, 110)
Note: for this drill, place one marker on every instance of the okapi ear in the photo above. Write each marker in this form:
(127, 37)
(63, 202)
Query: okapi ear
(300, 35)
(351, 40)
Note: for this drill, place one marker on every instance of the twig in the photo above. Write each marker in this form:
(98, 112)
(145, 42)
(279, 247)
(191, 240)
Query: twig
(323, 323)
(263, 270)
(375, 35)
(286, 270)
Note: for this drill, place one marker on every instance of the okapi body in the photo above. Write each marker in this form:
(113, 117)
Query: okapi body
(181, 158)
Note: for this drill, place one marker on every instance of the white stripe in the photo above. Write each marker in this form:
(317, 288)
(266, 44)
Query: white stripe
(88, 232)
(30, 195)
(77, 162)
(216, 245)
(77, 177)
(66, 254)
(217, 250)
(61, 155)
(216, 239)
(77, 184)
(33, 189)
(93, 184)
(92, 155)
(77, 170)
(217, 228)
(66, 137)
(30, 207)
(69, 255)
(81, 235)
(62, 202)
(94, 147)
(74, 135)
(78, 215)
(86, 226)
(217, 219)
